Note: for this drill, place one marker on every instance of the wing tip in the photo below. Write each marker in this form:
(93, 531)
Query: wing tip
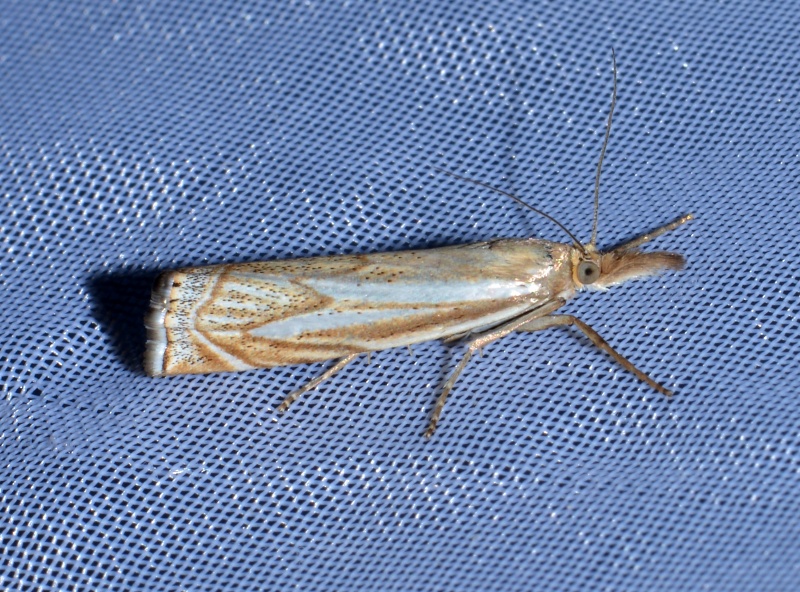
(157, 342)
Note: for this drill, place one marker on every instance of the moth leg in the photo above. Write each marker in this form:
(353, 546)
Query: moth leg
(456, 337)
(477, 344)
(566, 320)
(340, 363)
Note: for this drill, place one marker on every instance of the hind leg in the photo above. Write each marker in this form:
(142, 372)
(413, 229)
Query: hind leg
(479, 342)
(340, 363)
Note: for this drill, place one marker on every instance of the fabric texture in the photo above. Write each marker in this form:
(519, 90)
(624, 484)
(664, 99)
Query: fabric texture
(140, 137)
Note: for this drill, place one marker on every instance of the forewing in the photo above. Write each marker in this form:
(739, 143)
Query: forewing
(234, 317)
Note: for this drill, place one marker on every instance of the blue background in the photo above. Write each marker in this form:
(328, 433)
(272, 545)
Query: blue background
(138, 137)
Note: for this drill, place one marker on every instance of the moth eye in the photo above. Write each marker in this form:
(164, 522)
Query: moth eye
(588, 272)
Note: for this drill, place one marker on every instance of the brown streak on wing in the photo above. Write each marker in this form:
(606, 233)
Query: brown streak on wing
(323, 345)
(276, 301)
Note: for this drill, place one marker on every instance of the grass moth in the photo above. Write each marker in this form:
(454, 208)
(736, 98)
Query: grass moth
(241, 316)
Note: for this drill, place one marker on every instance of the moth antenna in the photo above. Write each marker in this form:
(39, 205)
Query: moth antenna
(603, 151)
(519, 201)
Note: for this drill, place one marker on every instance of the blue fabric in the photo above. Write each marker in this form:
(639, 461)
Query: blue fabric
(143, 137)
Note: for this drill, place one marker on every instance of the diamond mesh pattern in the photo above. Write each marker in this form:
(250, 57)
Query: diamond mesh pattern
(141, 137)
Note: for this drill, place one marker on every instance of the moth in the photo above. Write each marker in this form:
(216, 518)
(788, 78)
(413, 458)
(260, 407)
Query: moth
(240, 316)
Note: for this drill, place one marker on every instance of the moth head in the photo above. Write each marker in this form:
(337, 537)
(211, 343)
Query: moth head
(599, 271)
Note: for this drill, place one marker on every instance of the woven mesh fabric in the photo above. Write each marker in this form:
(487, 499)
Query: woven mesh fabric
(142, 137)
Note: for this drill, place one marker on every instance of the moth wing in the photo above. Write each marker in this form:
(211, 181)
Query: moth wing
(235, 317)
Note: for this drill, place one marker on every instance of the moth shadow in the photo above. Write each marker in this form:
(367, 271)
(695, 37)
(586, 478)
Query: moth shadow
(119, 303)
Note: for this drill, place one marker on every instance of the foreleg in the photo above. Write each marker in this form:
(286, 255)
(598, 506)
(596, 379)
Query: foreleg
(566, 320)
